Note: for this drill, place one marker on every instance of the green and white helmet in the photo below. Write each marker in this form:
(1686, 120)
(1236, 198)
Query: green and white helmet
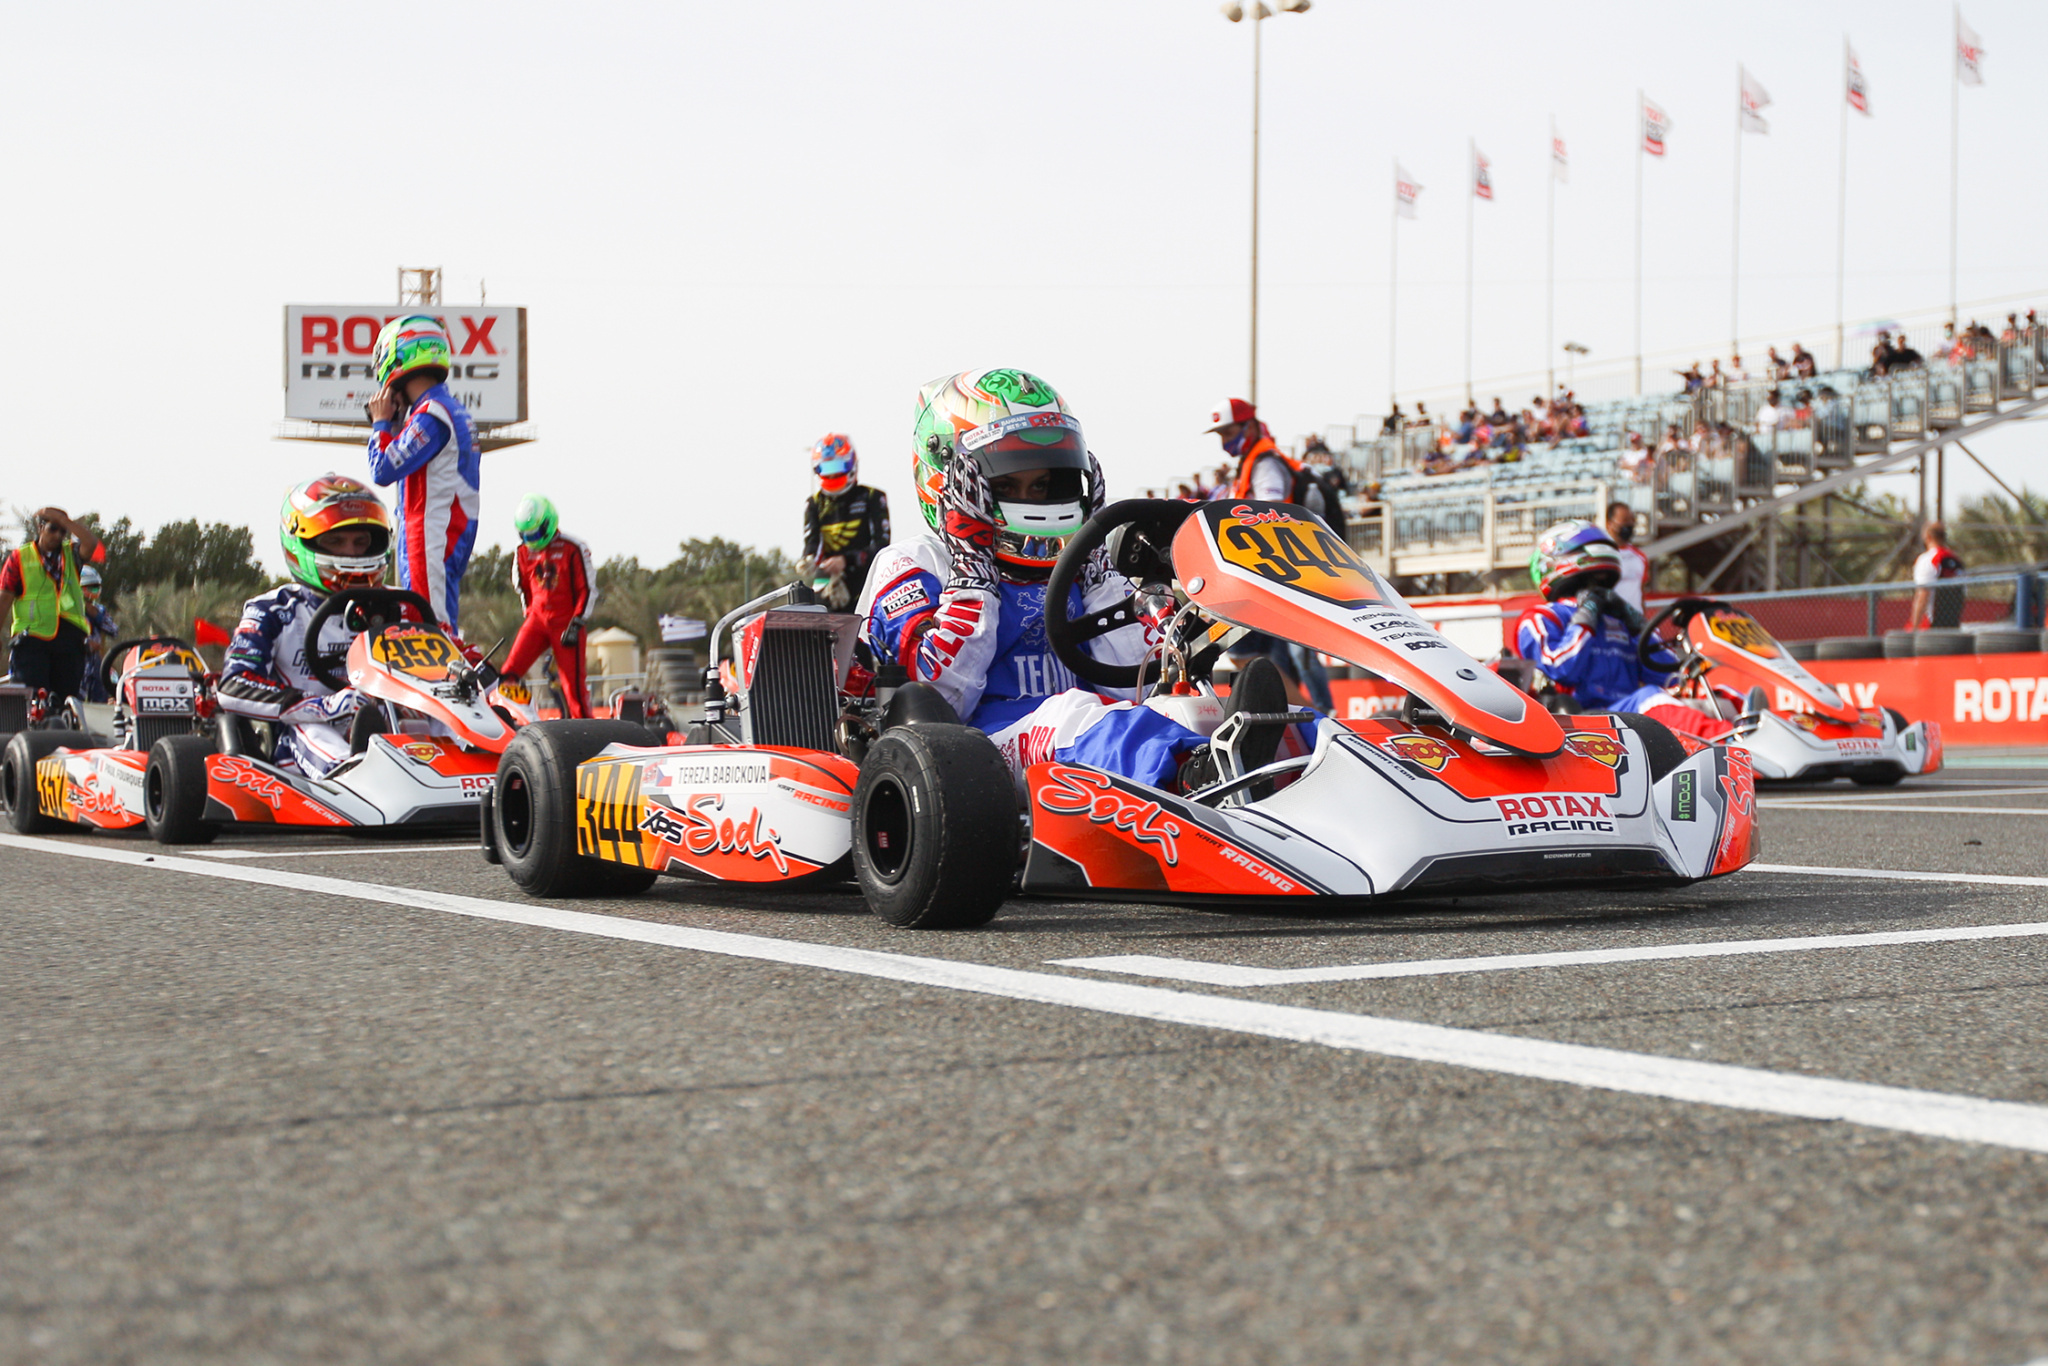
(535, 520)
(1007, 421)
(413, 342)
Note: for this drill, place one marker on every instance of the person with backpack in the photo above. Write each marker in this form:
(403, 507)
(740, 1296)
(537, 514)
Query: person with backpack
(1264, 471)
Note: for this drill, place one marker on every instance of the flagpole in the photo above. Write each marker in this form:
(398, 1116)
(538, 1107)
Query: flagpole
(1842, 219)
(1955, 47)
(1252, 390)
(1639, 242)
(1735, 260)
(1550, 273)
(1471, 202)
(1393, 283)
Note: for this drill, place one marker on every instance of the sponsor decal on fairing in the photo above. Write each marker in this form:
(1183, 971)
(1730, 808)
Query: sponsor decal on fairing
(1555, 813)
(1080, 791)
(703, 830)
(1599, 746)
(1432, 753)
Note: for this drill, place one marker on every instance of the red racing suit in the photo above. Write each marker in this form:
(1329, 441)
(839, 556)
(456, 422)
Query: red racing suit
(557, 587)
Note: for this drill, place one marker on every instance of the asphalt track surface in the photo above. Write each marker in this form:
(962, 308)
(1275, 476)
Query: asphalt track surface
(296, 1099)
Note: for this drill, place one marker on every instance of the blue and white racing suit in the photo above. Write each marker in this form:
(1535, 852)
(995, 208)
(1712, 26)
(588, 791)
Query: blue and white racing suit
(987, 654)
(1599, 667)
(435, 463)
(267, 678)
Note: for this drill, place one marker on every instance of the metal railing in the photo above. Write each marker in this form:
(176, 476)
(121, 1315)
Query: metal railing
(1972, 601)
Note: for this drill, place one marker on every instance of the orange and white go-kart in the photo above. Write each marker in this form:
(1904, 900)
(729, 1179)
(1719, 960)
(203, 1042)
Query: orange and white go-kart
(1794, 727)
(424, 746)
(1477, 787)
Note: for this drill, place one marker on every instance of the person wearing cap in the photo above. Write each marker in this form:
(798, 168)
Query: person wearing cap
(100, 628)
(44, 600)
(1264, 471)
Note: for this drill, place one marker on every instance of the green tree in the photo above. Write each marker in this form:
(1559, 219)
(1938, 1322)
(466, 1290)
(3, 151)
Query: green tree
(1994, 530)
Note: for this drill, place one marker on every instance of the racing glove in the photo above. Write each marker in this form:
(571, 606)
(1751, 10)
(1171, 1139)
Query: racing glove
(572, 635)
(256, 696)
(1590, 609)
(1098, 570)
(969, 525)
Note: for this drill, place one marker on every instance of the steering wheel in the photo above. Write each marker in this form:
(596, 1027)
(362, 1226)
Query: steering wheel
(1679, 612)
(109, 674)
(380, 608)
(1144, 554)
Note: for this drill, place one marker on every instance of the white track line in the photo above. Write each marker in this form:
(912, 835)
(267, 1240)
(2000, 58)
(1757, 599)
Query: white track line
(1783, 796)
(1911, 810)
(1965, 1119)
(322, 853)
(1899, 875)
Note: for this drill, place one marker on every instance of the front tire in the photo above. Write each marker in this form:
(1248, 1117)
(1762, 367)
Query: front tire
(533, 811)
(18, 796)
(935, 828)
(174, 784)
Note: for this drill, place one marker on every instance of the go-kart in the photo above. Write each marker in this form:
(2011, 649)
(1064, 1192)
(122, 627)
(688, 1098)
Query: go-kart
(1793, 726)
(424, 745)
(1475, 787)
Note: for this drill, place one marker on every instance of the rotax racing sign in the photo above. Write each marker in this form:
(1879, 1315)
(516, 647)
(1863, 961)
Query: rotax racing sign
(327, 359)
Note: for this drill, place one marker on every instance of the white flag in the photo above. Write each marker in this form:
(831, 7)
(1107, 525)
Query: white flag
(674, 628)
(1859, 90)
(1482, 175)
(1559, 167)
(1969, 53)
(1656, 123)
(1754, 99)
(1406, 187)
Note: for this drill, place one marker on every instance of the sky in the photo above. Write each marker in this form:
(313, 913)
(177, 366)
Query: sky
(739, 226)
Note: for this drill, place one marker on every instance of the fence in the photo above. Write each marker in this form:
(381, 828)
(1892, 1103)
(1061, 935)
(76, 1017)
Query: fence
(1973, 602)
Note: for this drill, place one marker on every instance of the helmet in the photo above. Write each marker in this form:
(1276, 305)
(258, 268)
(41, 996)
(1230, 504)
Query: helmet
(535, 521)
(318, 506)
(1009, 421)
(833, 461)
(413, 342)
(89, 579)
(1573, 555)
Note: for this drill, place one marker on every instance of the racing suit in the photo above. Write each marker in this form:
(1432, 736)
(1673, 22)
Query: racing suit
(266, 679)
(986, 652)
(557, 588)
(1593, 661)
(435, 462)
(854, 523)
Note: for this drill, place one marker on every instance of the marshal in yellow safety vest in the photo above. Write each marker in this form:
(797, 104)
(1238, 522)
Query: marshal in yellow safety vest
(45, 602)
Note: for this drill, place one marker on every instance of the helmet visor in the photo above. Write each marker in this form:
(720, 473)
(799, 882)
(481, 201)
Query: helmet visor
(833, 466)
(1027, 441)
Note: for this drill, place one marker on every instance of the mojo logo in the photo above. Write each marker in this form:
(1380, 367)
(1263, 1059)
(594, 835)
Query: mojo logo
(236, 773)
(706, 832)
(1080, 791)
(1599, 746)
(1685, 796)
(1556, 813)
(1432, 753)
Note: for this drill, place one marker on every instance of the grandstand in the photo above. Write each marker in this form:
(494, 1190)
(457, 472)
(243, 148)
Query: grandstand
(1714, 508)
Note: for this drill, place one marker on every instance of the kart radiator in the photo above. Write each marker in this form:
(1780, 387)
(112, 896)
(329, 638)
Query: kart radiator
(794, 699)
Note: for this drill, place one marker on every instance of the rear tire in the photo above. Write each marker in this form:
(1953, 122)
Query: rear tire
(18, 797)
(533, 811)
(1887, 777)
(935, 828)
(174, 787)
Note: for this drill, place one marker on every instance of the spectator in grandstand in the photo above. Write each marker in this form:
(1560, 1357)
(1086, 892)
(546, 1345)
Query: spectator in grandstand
(1672, 444)
(1394, 422)
(1498, 418)
(1422, 417)
(1468, 425)
(2012, 328)
(1715, 379)
(1636, 460)
(1777, 367)
(1635, 565)
(1953, 348)
(1803, 364)
(1882, 355)
(1941, 608)
(1904, 357)
(1693, 380)
(1771, 417)
(1736, 373)
(1802, 409)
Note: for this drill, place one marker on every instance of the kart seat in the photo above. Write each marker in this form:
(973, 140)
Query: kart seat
(240, 735)
(915, 702)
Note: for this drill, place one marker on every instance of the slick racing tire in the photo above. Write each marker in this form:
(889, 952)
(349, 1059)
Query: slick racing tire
(18, 798)
(174, 790)
(533, 811)
(935, 828)
(1666, 753)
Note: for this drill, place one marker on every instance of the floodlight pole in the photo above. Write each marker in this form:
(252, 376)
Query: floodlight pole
(1842, 221)
(1252, 388)
(1639, 241)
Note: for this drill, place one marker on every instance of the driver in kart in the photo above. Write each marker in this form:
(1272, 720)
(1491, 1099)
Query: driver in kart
(1583, 635)
(1004, 479)
(336, 535)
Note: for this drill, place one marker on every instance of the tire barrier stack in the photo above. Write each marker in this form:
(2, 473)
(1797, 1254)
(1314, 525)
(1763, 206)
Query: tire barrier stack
(674, 674)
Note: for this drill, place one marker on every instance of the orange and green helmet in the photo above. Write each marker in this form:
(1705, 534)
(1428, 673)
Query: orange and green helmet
(329, 503)
(413, 342)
